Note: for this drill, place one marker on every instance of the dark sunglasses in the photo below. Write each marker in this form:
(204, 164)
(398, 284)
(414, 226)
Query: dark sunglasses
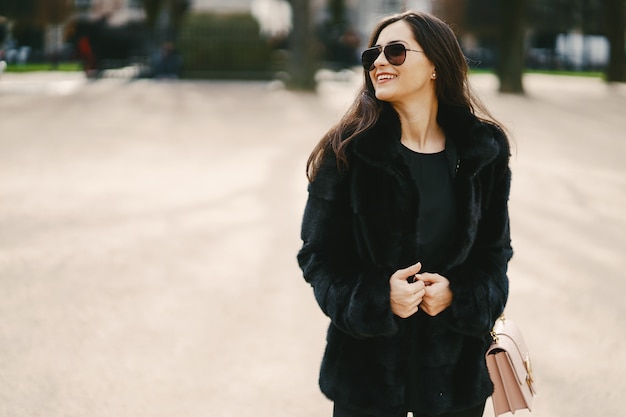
(394, 52)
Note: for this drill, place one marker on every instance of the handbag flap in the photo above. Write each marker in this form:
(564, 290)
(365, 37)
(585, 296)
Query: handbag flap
(506, 343)
(509, 339)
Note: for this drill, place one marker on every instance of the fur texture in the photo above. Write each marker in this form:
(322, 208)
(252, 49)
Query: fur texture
(358, 228)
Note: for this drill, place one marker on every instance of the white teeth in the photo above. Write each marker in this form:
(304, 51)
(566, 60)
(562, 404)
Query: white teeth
(385, 77)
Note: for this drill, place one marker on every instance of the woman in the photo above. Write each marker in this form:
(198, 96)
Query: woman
(406, 232)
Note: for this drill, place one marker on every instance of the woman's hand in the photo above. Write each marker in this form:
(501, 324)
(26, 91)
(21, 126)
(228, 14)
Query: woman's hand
(406, 296)
(438, 296)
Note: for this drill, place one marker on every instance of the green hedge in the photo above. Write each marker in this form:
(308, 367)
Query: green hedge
(46, 66)
(224, 46)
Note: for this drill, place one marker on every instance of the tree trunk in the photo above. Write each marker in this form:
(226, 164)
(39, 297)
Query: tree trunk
(302, 66)
(164, 18)
(511, 58)
(51, 14)
(614, 12)
(152, 8)
(177, 10)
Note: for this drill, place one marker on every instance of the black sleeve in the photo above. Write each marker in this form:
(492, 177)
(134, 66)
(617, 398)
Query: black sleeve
(354, 296)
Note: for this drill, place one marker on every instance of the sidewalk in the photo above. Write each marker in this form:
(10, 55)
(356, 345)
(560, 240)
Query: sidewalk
(148, 235)
(41, 82)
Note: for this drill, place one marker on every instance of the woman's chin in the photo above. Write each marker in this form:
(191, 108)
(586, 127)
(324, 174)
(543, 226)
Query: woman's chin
(384, 95)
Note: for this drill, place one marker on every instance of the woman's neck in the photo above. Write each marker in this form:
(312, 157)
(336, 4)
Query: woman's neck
(420, 130)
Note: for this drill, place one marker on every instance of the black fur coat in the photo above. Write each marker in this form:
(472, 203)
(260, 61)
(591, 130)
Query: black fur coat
(359, 227)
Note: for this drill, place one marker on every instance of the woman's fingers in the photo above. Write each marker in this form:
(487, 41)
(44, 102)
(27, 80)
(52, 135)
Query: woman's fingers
(406, 296)
(438, 296)
(404, 274)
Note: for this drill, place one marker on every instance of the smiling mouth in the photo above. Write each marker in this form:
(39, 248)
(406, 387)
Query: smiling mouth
(383, 77)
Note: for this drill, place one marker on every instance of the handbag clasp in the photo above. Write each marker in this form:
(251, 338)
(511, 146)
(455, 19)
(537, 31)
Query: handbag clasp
(530, 379)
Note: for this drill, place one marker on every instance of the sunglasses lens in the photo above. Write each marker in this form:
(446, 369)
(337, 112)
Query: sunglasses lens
(395, 53)
(368, 57)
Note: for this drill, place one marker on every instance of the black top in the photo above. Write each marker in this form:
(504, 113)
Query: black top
(437, 213)
(436, 224)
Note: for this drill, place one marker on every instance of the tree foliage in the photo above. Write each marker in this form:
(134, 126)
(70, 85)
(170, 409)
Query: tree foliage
(16, 9)
(500, 26)
(503, 26)
(41, 12)
(562, 16)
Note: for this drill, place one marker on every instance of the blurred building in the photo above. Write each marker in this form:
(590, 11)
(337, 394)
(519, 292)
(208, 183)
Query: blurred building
(117, 12)
(361, 15)
(222, 6)
(365, 14)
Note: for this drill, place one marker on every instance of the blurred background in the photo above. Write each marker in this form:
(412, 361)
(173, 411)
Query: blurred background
(291, 40)
(152, 183)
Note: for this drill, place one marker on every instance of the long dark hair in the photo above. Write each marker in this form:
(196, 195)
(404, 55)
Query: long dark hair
(440, 45)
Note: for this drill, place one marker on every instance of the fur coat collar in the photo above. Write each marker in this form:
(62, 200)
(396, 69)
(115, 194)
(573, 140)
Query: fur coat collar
(471, 145)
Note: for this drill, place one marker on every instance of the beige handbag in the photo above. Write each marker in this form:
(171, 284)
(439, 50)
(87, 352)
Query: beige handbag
(510, 369)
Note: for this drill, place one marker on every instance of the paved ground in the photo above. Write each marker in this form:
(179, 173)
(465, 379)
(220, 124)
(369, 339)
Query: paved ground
(148, 234)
